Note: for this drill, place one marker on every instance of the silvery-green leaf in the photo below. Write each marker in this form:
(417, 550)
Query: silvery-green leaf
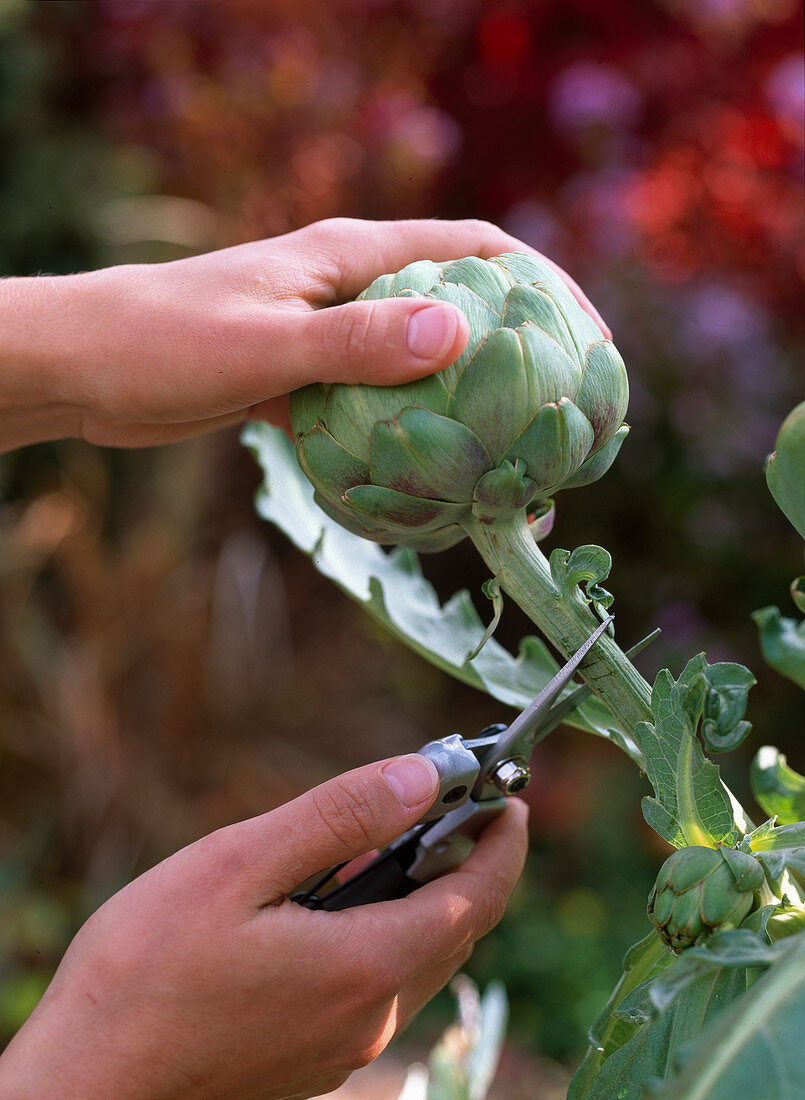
(785, 469)
(782, 643)
(427, 455)
(350, 412)
(553, 444)
(778, 789)
(330, 467)
(391, 588)
(603, 395)
(597, 464)
(491, 395)
(400, 512)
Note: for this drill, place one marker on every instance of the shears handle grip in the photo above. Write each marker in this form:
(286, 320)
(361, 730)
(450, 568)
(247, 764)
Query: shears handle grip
(384, 879)
(417, 857)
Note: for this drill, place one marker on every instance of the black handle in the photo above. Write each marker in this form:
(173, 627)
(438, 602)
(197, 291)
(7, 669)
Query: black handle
(383, 880)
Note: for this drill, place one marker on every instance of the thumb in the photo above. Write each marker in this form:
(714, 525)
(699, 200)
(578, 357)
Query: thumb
(383, 342)
(332, 823)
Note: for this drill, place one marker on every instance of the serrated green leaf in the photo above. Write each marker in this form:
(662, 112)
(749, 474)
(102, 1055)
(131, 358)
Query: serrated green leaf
(754, 1048)
(782, 643)
(391, 588)
(692, 805)
(778, 789)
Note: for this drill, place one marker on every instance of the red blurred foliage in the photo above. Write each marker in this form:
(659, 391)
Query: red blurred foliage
(666, 134)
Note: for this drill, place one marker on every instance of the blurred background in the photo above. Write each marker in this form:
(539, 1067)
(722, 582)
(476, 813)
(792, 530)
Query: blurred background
(168, 664)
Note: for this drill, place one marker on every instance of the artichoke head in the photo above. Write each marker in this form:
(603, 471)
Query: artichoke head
(699, 890)
(534, 404)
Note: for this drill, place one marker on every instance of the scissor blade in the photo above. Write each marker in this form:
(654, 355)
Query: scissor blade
(529, 718)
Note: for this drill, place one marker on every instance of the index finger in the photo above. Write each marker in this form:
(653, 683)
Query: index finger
(352, 253)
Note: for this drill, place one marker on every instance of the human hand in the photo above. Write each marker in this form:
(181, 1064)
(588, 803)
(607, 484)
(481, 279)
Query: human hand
(150, 353)
(202, 980)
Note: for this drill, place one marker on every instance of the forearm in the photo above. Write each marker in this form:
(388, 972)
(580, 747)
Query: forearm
(36, 318)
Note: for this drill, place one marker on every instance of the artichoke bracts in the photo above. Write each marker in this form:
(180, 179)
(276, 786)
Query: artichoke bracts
(701, 889)
(534, 404)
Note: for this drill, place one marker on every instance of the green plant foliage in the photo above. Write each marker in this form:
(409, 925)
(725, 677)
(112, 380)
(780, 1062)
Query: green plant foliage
(692, 805)
(778, 789)
(391, 588)
(584, 568)
(779, 847)
(612, 1030)
(670, 1008)
(785, 466)
(782, 643)
(755, 1047)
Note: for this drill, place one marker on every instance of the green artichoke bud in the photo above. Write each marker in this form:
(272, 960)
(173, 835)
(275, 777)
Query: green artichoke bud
(701, 889)
(534, 404)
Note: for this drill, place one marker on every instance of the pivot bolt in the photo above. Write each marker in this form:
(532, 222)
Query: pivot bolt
(511, 776)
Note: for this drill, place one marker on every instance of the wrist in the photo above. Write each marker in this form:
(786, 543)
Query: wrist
(51, 1058)
(40, 327)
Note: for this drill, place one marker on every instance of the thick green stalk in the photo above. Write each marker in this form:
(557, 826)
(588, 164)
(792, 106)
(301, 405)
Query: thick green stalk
(565, 618)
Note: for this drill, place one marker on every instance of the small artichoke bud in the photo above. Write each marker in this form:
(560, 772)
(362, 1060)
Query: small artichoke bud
(699, 890)
(534, 404)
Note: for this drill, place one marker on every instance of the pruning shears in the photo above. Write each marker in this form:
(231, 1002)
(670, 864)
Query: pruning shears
(475, 777)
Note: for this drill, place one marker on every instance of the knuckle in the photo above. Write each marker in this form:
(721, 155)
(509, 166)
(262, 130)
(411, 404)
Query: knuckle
(346, 813)
(496, 898)
(357, 330)
(491, 238)
(335, 231)
(365, 1055)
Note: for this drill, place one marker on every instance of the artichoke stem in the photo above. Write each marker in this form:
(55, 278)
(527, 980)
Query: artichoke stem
(566, 619)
